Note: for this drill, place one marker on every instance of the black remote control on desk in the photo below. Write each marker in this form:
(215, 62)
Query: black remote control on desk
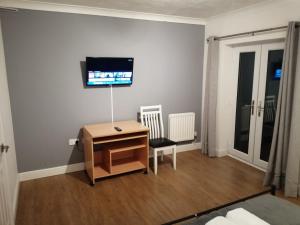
(118, 129)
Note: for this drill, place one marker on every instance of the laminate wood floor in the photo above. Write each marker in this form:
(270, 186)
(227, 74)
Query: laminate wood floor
(199, 183)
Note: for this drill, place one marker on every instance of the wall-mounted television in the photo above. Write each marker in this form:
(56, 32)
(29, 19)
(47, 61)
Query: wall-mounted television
(106, 71)
(277, 74)
(276, 70)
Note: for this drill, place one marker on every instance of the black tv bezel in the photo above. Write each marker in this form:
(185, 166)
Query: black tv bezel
(107, 85)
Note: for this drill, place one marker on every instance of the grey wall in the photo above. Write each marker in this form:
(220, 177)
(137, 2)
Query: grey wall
(49, 103)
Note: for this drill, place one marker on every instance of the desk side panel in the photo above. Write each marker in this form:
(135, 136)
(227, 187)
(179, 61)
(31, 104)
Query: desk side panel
(147, 144)
(143, 154)
(88, 154)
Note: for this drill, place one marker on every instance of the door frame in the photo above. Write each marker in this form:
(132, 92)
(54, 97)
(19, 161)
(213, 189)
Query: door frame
(227, 84)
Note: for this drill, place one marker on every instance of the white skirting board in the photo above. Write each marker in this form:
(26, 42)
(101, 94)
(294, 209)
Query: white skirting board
(35, 174)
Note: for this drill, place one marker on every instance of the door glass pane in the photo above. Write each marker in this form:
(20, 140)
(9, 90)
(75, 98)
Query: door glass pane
(244, 98)
(272, 88)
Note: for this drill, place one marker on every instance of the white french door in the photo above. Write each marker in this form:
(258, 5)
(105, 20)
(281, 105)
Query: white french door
(247, 65)
(270, 75)
(258, 69)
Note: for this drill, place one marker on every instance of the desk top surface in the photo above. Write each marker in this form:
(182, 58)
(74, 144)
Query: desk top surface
(107, 129)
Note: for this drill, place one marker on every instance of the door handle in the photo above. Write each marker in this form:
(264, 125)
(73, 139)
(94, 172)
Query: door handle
(4, 148)
(260, 108)
(252, 107)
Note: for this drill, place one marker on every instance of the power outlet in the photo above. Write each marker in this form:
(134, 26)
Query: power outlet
(73, 141)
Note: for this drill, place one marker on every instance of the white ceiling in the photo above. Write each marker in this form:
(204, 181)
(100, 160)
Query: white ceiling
(187, 8)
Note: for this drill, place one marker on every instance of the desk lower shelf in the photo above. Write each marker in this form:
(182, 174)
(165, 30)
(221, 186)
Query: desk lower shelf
(129, 166)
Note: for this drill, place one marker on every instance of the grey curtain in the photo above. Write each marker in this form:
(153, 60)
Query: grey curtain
(209, 125)
(284, 161)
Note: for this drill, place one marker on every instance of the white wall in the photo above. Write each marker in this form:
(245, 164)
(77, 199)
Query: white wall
(271, 14)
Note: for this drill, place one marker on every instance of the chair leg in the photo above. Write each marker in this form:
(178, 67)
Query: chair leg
(174, 157)
(155, 161)
(162, 155)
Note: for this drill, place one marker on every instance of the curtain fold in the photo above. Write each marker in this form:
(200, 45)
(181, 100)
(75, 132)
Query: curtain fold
(209, 126)
(284, 160)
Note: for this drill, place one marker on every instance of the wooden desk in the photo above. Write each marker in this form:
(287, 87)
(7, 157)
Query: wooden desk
(108, 152)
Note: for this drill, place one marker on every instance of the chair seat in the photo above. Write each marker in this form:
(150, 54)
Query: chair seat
(161, 142)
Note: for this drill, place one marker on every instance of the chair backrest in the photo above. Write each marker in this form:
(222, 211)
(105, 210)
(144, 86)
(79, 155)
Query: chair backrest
(151, 117)
(270, 109)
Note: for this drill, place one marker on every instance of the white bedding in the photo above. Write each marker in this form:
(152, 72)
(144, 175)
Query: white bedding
(241, 216)
(220, 220)
(237, 216)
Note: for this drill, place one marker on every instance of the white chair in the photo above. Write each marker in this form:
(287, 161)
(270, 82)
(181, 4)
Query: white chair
(151, 117)
(270, 109)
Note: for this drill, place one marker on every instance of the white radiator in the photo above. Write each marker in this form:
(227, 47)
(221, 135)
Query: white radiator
(181, 126)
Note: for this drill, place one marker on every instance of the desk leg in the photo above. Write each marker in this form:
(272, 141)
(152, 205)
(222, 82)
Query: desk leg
(92, 183)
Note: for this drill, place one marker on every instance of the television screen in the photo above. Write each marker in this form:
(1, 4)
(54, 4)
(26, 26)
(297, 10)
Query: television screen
(277, 74)
(109, 71)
